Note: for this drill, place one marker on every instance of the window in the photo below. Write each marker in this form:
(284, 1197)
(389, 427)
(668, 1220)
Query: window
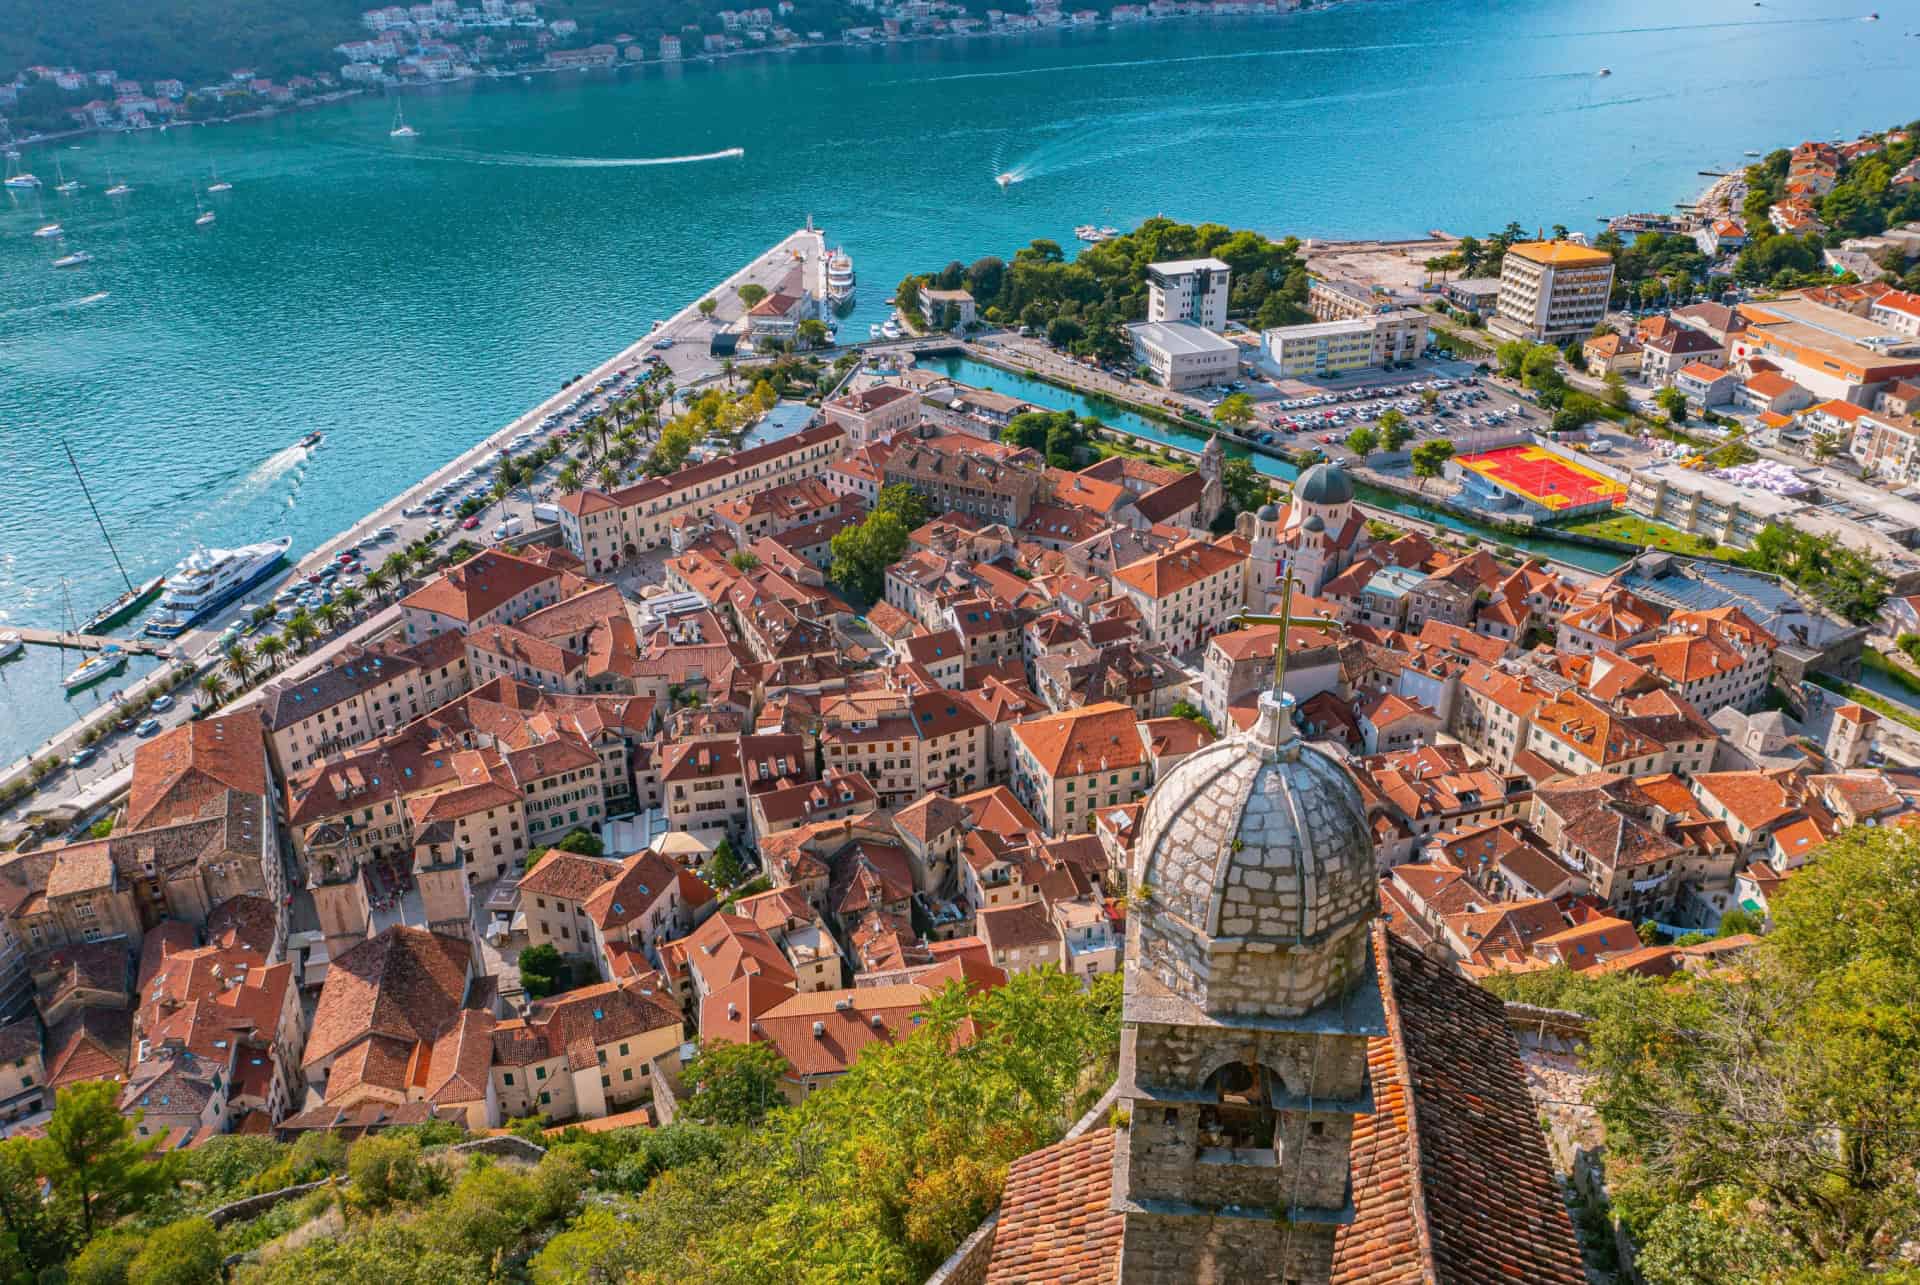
(540, 1073)
(546, 1098)
(509, 1078)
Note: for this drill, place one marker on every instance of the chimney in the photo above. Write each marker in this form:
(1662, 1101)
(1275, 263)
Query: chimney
(819, 1030)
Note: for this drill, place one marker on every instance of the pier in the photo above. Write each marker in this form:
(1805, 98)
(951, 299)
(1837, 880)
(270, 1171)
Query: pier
(91, 642)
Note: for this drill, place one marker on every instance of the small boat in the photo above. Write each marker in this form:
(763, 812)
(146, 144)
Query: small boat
(10, 645)
(1606, 71)
(47, 230)
(311, 440)
(115, 188)
(110, 659)
(23, 181)
(219, 184)
(1872, 17)
(63, 184)
(205, 216)
(1753, 153)
(400, 127)
(73, 260)
(1005, 180)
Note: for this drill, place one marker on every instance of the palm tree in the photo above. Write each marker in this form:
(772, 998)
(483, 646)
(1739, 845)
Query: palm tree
(239, 662)
(378, 579)
(395, 565)
(420, 557)
(215, 688)
(328, 615)
(622, 452)
(609, 477)
(270, 649)
(500, 489)
(569, 480)
(726, 368)
(301, 630)
(350, 599)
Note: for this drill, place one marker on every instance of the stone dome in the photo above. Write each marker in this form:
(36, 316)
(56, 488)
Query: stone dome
(1324, 484)
(1269, 513)
(1255, 875)
(1313, 525)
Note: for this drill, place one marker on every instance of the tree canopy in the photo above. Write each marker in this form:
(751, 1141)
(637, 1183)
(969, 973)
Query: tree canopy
(1105, 285)
(1762, 1120)
(876, 1176)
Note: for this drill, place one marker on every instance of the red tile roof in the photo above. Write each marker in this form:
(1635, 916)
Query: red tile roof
(1056, 1227)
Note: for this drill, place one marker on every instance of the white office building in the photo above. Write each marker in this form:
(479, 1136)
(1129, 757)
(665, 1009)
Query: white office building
(1180, 354)
(1192, 290)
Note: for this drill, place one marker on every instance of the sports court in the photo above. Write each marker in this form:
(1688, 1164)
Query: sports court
(1541, 477)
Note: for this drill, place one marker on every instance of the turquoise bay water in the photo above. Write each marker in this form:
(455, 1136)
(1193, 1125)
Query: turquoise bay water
(408, 297)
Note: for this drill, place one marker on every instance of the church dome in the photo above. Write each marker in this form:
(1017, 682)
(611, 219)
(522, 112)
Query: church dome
(1256, 875)
(1324, 484)
(1270, 513)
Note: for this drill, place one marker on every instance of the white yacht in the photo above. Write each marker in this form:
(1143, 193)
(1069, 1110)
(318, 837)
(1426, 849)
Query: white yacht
(10, 645)
(400, 127)
(219, 184)
(115, 188)
(47, 230)
(98, 667)
(210, 578)
(73, 260)
(22, 180)
(205, 216)
(840, 278)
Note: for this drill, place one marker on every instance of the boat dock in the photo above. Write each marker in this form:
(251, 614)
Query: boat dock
(91, 642)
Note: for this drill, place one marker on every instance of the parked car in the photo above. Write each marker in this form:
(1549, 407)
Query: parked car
(150, 727)
(471, 524)
(83, 756)
(161, 703)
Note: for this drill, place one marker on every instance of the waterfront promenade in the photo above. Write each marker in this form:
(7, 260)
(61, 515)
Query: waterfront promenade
(692, 365)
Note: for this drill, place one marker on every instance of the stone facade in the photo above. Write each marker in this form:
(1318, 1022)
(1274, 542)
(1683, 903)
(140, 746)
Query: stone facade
(1243, 1060)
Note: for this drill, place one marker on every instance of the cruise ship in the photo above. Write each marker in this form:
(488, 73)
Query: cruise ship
(840, 279)
(210, 578)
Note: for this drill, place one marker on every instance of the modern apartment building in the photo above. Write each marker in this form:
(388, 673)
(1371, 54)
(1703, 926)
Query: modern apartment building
(1552, 290)
(1324, 348)
(1192, 290)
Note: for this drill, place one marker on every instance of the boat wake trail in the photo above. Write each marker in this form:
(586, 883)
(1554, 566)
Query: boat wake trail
(535, 160)
(69, 305)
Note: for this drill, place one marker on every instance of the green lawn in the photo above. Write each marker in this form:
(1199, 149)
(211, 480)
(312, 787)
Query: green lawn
(1652, 535)
(1128, 449)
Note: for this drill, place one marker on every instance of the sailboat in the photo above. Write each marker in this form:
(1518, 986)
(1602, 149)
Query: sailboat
(96, 668)
(61, 183)
(137, 596)
(17, 177)
(205, 216)
(219, 184)
(400, 127)
(114, 187)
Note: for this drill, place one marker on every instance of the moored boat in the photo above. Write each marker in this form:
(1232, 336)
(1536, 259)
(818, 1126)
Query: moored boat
(122, 608)
(110, 660)
(208, 579)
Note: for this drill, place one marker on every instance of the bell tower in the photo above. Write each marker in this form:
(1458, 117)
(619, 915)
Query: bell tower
(1252, 995)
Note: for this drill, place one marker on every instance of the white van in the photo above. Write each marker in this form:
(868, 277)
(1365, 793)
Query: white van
(546, 512)
(511, 526)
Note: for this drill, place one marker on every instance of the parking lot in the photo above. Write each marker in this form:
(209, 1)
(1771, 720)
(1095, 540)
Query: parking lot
(1434, 407)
